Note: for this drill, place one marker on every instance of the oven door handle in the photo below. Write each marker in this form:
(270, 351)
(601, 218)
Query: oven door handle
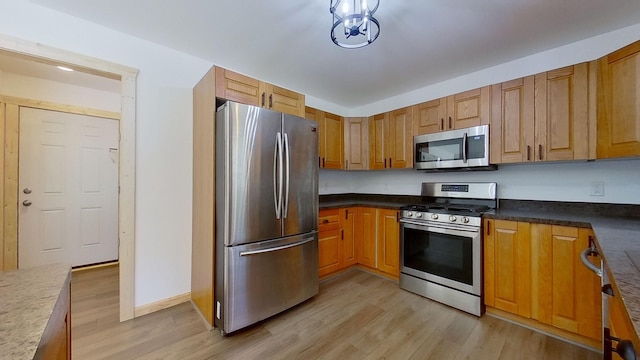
(450, 227)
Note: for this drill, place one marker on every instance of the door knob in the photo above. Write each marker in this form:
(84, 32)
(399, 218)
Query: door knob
(26, 203)
(26, 191)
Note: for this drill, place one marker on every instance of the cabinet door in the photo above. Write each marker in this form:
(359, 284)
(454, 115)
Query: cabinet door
(378, 138)
(331, 148)
(619, 322)
(388, 242)
(401, 138)
(470, 108)
(512, 121)
(283, 100)
(329, 242)
(315, 115)
(562, 114)
(356, 143)
(566, 294)
(236, 87)
(366, 248)
(619, 103)
(429, 116)
(348, 253)
(507, 266)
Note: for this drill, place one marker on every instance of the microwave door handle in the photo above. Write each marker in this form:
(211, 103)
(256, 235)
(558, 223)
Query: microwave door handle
(464, 147)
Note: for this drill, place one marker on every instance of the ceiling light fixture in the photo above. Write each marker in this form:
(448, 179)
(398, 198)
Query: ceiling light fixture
(353, 23)
(64, 68)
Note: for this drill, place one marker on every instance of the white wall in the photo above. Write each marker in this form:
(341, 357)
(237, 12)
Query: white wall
(163, 140)
(554, 181)
(46, 90)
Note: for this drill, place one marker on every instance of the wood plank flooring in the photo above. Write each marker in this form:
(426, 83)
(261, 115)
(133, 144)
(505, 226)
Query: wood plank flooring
(356, 316)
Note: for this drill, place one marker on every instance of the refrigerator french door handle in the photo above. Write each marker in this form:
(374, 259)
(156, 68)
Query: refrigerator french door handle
(277, 175)
(276, 248)
(287, 156)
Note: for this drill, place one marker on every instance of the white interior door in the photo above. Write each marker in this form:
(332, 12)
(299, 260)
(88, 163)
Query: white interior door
(68, 189)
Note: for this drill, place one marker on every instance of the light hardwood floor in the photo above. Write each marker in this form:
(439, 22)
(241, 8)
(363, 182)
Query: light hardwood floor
(356, 316)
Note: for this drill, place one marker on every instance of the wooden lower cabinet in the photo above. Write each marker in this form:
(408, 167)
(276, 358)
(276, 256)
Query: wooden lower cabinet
(534, 271)
(55, 343)
(366, 248)
(388, 242)
(329, 241)
(507, 266)
(565, 293)
(619, 322)
(365, 236)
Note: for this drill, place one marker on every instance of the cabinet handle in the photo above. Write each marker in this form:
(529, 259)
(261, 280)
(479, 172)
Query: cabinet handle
(263, 97)
(528, 153)
(319, 162)
(450, 125)
(323, 163)
(441, 123)
(390, 164)
(342, 235)
(488, 228)
(397, 216)
(385, 163)
(346, 214)
(540, 152)
(270, 101)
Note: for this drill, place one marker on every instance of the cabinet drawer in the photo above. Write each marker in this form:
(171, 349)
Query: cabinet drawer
(328, 220)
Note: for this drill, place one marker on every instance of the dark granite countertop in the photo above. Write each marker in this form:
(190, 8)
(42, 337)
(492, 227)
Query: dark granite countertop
(617, 230)
(379, 201)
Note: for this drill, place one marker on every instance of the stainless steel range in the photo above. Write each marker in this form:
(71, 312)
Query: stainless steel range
(441, 243)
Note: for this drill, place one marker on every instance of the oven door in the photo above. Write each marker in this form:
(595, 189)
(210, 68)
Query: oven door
(446, 254)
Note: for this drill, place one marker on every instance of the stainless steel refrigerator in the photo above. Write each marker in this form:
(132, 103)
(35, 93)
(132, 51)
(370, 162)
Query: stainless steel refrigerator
(266, 214)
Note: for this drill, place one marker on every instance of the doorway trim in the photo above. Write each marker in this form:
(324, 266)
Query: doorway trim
(126, 177)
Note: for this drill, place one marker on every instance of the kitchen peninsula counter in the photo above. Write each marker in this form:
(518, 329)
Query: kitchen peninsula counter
(617, 231)
(33, 302)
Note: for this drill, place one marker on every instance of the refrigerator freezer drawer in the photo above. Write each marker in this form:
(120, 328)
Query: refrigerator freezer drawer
(263, 279)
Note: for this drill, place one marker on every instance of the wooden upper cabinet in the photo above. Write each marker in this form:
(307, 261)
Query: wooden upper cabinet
(512, 121)
(546, 117)
(283, 100)
(429, 116)
(562, 114)
(391, 140)
(378, 133)
(469, 108)
(459, 111)
(619, 103)
(237, 87)
(356, 143)
(401, 138)
(243, 89)
(331, 140)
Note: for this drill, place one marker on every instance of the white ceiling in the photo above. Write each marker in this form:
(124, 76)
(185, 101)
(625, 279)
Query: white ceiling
(287, 42)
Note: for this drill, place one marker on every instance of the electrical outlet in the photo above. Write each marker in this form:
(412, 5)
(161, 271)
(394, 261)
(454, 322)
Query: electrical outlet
(596, 188)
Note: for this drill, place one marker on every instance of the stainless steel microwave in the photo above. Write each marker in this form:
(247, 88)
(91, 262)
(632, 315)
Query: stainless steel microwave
(456, 149)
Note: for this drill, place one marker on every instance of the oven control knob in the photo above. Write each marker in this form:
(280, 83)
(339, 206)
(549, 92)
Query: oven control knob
(419, 215)
(434, 216)
(465, 219)
(452, 218)
(409, 214)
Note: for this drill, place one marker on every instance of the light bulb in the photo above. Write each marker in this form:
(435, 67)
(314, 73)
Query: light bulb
(345, 8)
